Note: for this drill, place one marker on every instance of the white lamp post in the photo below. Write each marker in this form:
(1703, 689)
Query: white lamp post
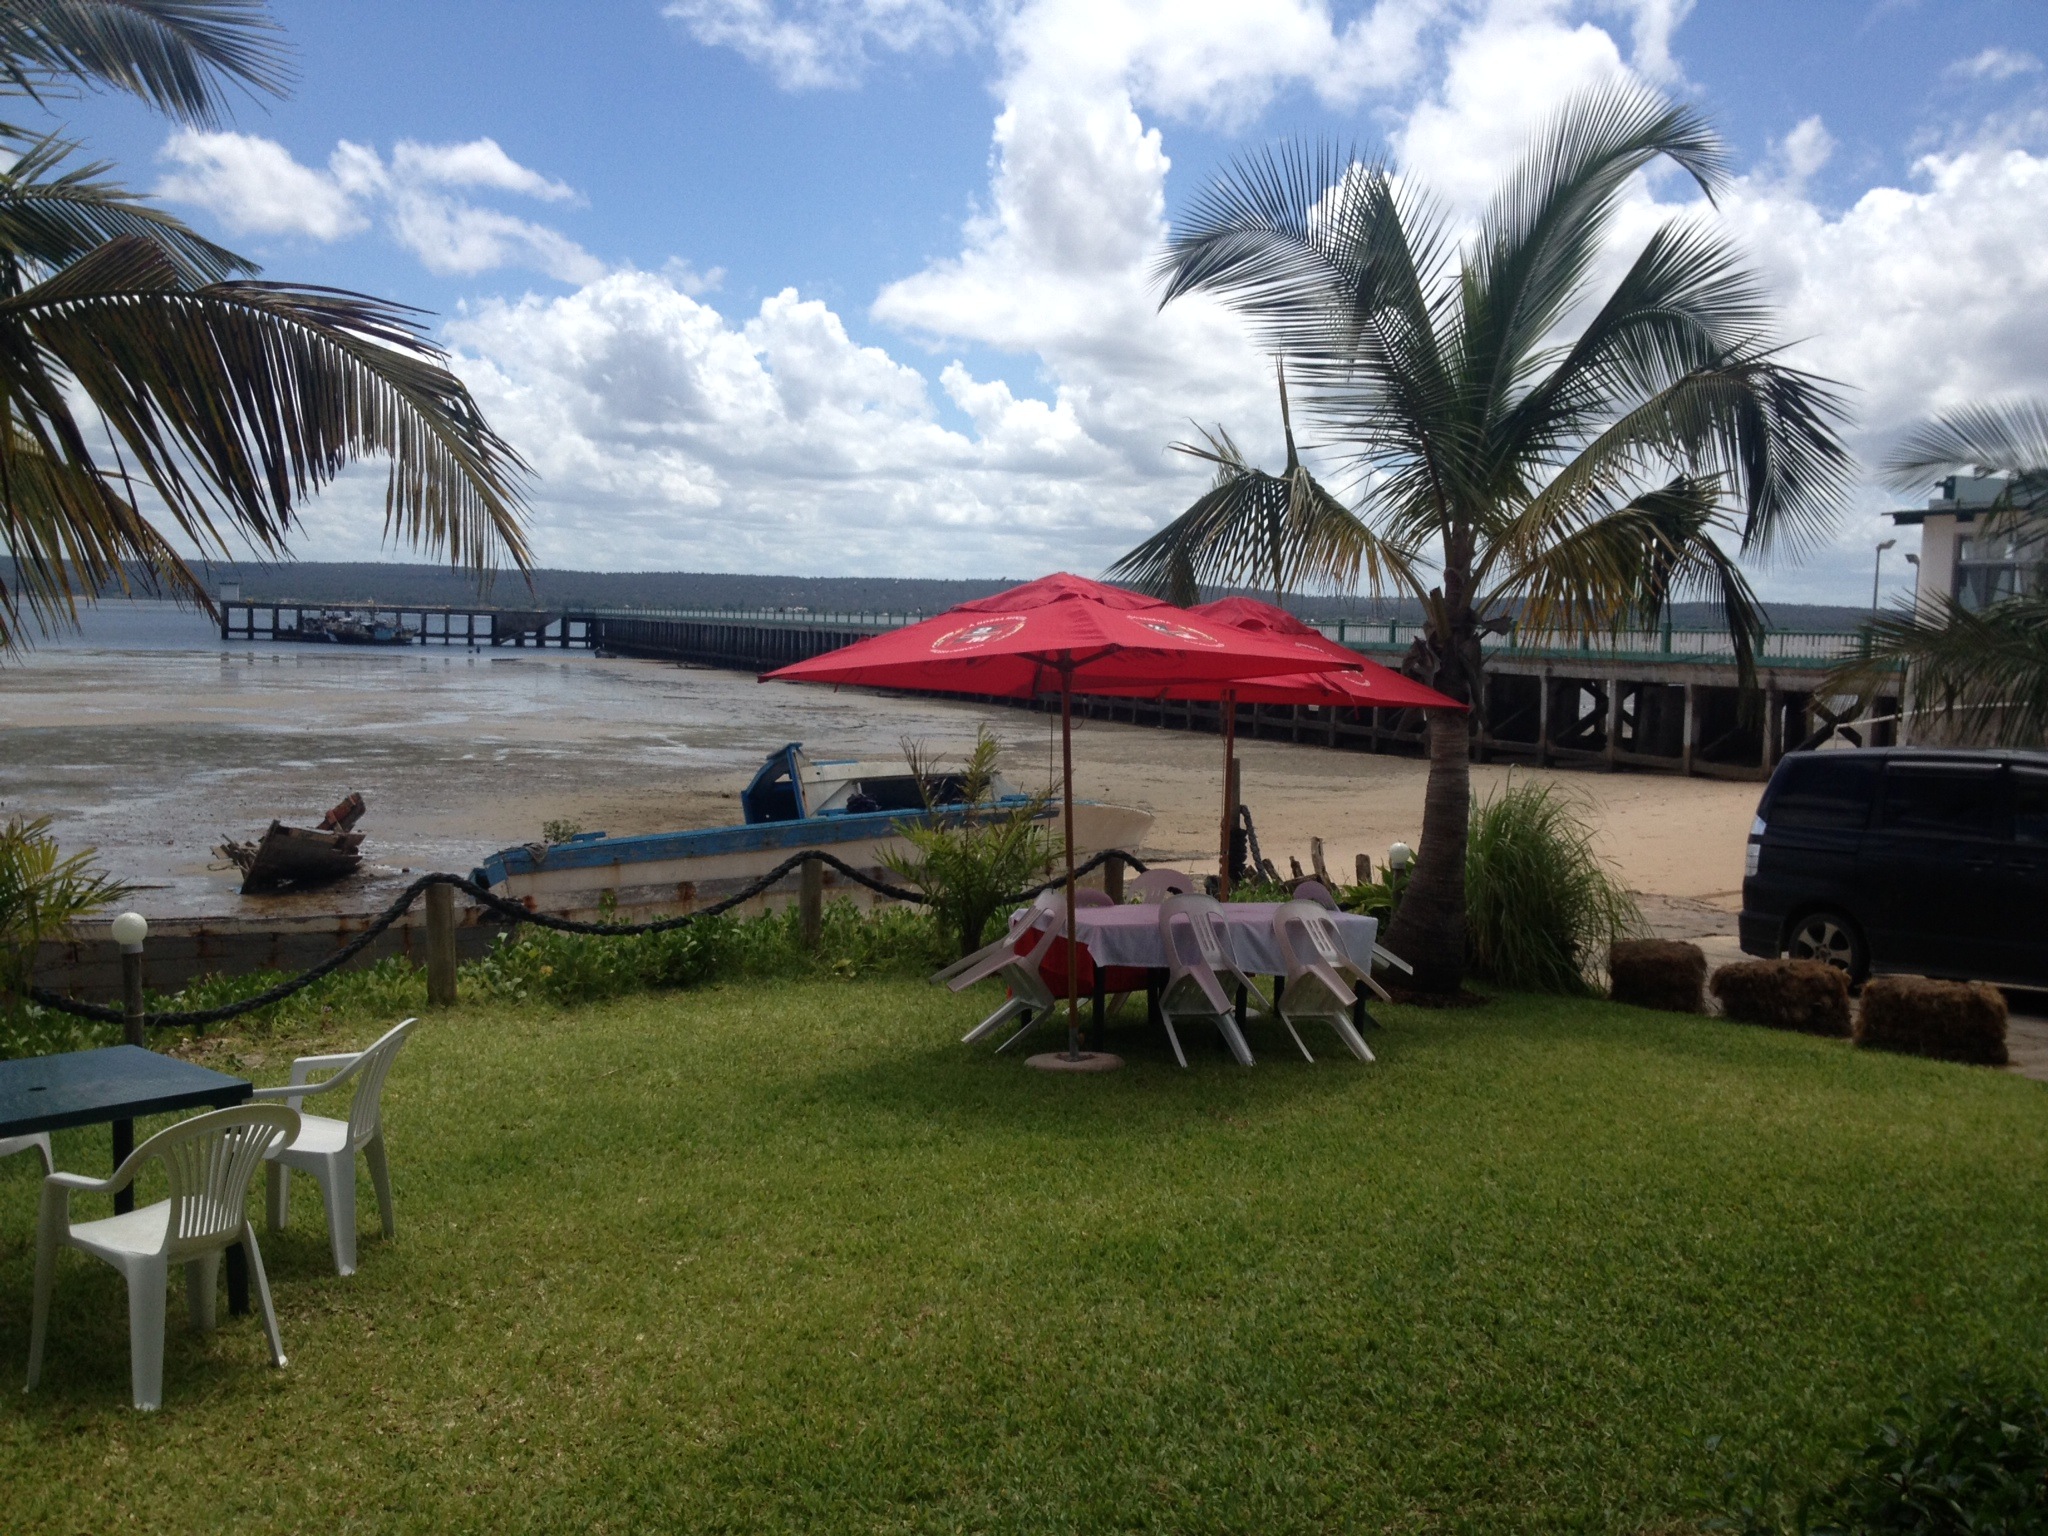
(130, 929)
(1876, 568)
(1399, 856)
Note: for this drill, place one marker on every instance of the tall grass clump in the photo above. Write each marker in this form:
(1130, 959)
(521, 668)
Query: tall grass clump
(1541, 906)
(968, 864)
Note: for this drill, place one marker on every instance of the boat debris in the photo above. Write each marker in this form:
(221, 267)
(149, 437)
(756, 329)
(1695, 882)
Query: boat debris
(298, 858)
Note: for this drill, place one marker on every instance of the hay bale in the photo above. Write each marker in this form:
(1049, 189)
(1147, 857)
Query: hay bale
(1657, 973)
(1810, 996)
(1952, 1020)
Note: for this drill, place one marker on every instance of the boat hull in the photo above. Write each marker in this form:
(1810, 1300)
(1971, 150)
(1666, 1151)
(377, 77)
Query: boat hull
(682, 871)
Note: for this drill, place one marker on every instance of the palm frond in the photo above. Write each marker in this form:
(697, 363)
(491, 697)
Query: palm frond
(176, 55)
(50, 216)
(238, 400)
(1983, 674)
(1543, 234)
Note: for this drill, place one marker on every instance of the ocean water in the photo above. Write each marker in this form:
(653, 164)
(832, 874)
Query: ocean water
(150, 738)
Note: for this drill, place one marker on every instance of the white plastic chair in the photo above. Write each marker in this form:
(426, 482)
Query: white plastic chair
(39, 1141)
(1156, 885)
(1088, 896)
(327, 1148)
(210, 1160)
(1029, 996)
(1317, 892)
(1194, 981)
(991, 958)
(1319, 975)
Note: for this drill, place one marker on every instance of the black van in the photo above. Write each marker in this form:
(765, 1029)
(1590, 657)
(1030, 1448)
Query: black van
(1903, 859)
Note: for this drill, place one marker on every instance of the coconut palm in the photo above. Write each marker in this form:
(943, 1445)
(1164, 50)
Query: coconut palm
(1982, 674)
(1532, 447)
(152, 389)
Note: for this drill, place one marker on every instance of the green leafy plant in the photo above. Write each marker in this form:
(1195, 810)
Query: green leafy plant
(41, 893)
(971, 859)
(1973, 1462)
(1541, 904)
(560, 831)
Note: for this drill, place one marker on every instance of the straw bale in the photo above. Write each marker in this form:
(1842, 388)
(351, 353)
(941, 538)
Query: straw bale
(1953, 1020)
(1658, 973)
(1810, 996)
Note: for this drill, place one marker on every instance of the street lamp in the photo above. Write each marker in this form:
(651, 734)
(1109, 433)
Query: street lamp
(1876, 568)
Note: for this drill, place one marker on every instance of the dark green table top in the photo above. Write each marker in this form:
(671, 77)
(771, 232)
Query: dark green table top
(121, 1082)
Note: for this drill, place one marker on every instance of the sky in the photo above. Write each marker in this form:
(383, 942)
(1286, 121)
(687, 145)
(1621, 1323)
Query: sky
(831, 287)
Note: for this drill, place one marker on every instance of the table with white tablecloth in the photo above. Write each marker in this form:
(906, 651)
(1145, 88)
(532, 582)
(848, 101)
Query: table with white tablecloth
(1129, 935)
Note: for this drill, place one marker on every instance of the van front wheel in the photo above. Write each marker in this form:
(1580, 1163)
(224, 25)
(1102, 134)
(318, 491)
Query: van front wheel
(1832, 938)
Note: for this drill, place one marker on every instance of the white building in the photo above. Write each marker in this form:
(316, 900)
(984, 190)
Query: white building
(1957, 555)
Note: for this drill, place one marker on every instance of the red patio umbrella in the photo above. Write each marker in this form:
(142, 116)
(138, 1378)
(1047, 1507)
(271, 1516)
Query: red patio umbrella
(1062, 633)
(1370, 686)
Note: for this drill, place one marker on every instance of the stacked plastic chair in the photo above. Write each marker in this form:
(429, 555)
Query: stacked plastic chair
(1198, 958)
(1320, 976)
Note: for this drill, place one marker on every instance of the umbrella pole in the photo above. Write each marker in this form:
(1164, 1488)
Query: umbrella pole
(1073, 939)
(1229, 784)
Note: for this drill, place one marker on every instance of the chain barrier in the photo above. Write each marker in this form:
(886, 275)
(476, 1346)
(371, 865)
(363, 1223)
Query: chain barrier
(514, 913)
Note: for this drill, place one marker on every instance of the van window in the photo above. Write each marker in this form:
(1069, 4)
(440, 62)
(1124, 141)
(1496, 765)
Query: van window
(1816, 790)
(2029, 805)
(1961, 799)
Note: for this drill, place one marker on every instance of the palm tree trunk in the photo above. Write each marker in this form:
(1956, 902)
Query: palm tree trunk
(1429, 930)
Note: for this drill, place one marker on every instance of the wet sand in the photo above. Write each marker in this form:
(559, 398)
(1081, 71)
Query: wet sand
(154, 748)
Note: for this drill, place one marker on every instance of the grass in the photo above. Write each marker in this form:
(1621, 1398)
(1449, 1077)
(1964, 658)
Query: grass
(787, 1257)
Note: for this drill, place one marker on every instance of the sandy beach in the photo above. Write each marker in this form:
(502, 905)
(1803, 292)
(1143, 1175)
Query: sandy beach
(152, 739)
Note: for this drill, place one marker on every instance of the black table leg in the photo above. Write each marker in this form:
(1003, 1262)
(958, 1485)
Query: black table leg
(124, 1143)
(238, 1282)
(1360, 1017)
(1101, 1004)
(1243, 1008)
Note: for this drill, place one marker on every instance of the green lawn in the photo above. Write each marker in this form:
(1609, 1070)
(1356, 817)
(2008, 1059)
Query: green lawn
(787, 1257)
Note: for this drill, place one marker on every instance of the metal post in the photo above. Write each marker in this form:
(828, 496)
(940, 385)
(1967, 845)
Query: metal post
(1067, 787)
(1229, 707)
(130, 929)
(441, 946)
(811, 902)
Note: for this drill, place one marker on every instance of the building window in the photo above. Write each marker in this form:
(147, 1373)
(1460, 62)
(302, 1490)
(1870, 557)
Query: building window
(1997, 565)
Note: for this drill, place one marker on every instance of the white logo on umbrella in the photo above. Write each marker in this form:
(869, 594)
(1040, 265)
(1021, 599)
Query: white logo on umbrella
(1184, 633)
(981, 632)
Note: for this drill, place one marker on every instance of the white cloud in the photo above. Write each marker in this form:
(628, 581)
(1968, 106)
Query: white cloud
(1996, 64)
(813, 43)
(255, 186)
(1804, 150)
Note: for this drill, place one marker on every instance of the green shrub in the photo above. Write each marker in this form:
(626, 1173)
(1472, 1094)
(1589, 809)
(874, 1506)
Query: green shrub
(1973, 1463)
(40, 894)
(1540, 905)
(968, 864)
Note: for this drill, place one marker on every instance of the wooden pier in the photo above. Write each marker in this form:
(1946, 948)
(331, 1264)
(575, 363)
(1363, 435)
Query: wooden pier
(1665, 699)
(482, 628)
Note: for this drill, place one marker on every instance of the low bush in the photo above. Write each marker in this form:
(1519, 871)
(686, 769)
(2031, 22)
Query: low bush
(533, 964)
(1807, 995)
(1541, 907)
(1973, 1463)
(1658, 973)
(1953, 1020)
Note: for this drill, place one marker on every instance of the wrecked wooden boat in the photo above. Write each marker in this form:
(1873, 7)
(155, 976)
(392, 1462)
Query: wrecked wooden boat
(299, 858)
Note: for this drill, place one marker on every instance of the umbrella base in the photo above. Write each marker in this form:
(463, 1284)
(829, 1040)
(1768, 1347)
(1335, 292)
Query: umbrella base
(1087, 1061)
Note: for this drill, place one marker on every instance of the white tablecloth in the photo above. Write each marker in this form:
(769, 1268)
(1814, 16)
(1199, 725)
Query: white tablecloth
(1129, 935)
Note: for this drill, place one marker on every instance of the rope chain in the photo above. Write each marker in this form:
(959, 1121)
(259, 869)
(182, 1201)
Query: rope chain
(514, 913)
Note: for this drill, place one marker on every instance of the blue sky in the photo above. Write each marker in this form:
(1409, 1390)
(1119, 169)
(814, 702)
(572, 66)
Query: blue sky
(830, 285)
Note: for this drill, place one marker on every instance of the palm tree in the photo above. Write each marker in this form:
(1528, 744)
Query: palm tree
(1531, 449)
(151, 387)
(1982, 673)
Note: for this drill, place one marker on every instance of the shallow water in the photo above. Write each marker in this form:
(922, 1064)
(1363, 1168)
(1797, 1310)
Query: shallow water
(151, 738)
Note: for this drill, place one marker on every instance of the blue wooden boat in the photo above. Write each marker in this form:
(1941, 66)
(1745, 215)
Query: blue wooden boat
(851, 809)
